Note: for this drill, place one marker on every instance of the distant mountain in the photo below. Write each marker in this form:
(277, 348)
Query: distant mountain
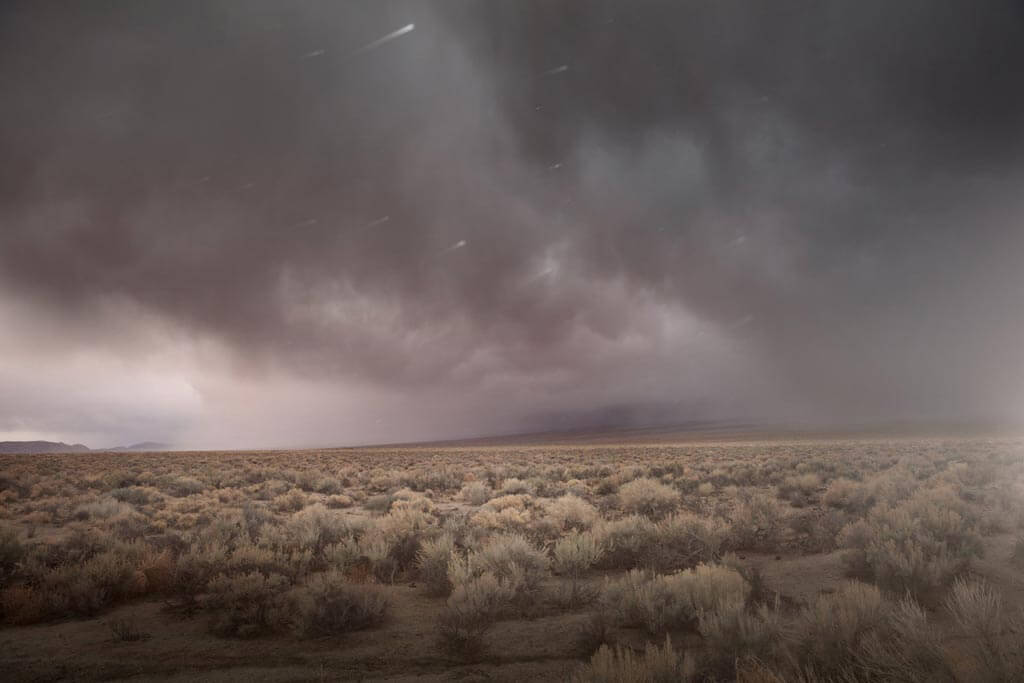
(24, 447)
(34, 447)
(144, 447)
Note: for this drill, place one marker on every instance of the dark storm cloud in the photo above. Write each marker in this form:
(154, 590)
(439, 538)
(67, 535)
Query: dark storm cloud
(788, 208)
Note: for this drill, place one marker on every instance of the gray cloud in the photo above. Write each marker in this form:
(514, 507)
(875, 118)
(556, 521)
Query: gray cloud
(791, 211)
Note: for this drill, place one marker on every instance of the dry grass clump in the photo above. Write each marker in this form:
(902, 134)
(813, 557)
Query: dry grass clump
(125, 631)
(993, 634)
(622, 665)
(1017, 554)
(648, 497)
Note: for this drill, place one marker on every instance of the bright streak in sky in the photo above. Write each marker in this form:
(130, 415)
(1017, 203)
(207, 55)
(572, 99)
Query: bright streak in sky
(386, 39)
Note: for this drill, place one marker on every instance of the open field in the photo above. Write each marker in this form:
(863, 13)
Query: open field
(771, 560)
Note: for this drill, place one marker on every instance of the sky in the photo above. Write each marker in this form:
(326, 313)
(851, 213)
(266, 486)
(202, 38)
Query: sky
(245, 224)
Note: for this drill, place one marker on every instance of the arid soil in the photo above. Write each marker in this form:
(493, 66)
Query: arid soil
(518, 562)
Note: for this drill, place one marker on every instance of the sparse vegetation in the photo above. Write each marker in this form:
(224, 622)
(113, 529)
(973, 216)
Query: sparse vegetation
(600, 552)
(648, 497)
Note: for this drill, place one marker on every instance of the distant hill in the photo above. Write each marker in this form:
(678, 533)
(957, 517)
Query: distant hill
(144, 447)
(23, 447)
(31, 447)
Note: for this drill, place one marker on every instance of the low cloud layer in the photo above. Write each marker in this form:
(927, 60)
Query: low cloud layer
(244, 224)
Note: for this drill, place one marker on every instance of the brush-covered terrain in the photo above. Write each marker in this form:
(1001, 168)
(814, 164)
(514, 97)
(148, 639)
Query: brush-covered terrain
(801, 560)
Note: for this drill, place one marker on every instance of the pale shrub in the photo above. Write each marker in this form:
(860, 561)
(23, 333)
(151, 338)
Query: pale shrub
(329, 605)
(576, 553)
(433, 560)
(402, 522)
(629, 542)
(664, 602)
(830, 630)
(247, 557)
(848, 495)
(374, 546)
(372, 550)
(684, 540)
(577, 488)
(893, 486)
(854, 634)
(444, 478)
(516, 502)
(621, 665)
(312, 528)
(908, 649)
(648, 497)
(102, 509)
(339, 500)
(476, 493)
(194, 567)
(508, 554)
(620, 597)
(756, 521)
(181, 486)
(292, 501)
(96, 583)
(516, 486)
(405, 499)
(508, 519)
(478, 599)
(247, 605)
(799, 489)
(917, 546)
(136, 495)
(732, 634)
(572, 512)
